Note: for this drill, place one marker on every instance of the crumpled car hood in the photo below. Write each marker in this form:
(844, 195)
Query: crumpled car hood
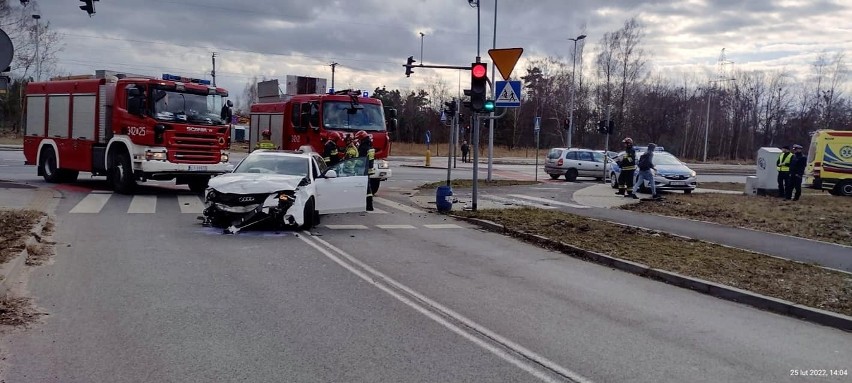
(253, 183)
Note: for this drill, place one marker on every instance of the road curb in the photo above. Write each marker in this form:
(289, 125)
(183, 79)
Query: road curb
(10, 270)
(778, 306)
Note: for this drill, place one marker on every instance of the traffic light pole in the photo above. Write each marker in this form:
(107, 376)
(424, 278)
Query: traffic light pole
(606, 145)
(477, 117)
(454, 122)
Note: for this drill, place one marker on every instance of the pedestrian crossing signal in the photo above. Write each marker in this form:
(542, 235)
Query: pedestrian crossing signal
(478, 80)
(489, 106)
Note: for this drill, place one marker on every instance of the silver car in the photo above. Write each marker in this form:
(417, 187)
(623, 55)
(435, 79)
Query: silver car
(671, 174)
(573, 163)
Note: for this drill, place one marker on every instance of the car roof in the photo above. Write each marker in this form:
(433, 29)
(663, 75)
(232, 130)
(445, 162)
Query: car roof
(281, 153)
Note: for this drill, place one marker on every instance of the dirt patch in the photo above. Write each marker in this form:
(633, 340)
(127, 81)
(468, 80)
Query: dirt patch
(805, 284)
(15, 311)
(11, 139)
(823, 218)
(16, 226)
(469, 184)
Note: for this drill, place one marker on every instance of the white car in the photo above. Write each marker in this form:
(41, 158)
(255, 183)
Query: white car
(289, 188)
(573, 163)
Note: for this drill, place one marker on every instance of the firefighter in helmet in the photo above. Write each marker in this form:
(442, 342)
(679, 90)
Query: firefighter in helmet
(331, 153)
(266, 141)
(351, 150)
(365, 149)
(627, 163)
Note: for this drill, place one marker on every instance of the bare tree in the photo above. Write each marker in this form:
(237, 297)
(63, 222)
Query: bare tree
(630, 59)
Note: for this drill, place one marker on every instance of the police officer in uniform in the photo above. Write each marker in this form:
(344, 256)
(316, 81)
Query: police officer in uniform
(783, 166)
(797, 171)
(628, 167)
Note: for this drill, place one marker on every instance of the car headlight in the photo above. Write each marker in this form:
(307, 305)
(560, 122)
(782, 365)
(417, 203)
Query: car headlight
(384, 164)
(224, 157)
(692, 173)
(155, 156)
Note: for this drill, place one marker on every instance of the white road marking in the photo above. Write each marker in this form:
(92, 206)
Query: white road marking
(91, 204)
(346, 227)
(517, 202)
(100, 192)
(377, 211)
(190, 204)
(380, 280)
(549, 201)
(398, 206)
(395, 227)
(143, 204)
(442, 226)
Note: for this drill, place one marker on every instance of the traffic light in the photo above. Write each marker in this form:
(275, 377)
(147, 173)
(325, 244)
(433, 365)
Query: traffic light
(566, 125)
(451, 107)
(408, 70)
(489, 106)
(89, 6)
(602, 127)
(478, 79)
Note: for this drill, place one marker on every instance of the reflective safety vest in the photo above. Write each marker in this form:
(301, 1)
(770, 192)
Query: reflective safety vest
(783, 162)
(371, 156)
(351, 151)
(265, 144)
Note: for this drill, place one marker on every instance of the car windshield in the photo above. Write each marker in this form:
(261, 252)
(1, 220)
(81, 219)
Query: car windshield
(340, 115)
(665, 159)
(190, 107)
(274, 164)
(554, 154)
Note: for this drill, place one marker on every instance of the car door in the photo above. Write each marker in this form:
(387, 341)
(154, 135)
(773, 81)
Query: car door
(345, 193)
(571, 160)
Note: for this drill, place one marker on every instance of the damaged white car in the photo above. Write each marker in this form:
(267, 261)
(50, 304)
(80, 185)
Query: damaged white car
(284, 188)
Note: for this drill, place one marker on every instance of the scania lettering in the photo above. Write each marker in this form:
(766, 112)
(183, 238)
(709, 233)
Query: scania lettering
(127, 128)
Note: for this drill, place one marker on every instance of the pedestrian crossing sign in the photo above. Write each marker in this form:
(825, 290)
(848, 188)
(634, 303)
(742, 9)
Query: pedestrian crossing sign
(508, 94)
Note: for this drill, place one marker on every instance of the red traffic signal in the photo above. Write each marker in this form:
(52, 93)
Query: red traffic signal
(479, 70)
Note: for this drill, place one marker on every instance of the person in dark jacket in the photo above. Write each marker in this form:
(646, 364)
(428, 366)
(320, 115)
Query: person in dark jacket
(797, 171)
(628, 167)
(226, 113)
(465, 149)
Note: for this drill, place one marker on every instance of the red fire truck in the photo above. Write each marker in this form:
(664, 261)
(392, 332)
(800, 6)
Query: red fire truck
(306, 119)
(128, 129)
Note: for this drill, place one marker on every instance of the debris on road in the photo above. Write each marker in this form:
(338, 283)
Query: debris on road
(15, 311)
(16, 225)
(458, 183)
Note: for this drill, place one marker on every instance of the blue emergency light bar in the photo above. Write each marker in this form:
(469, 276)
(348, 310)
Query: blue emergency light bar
(171, 77)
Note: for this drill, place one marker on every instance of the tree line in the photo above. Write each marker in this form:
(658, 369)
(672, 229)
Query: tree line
(746, 110)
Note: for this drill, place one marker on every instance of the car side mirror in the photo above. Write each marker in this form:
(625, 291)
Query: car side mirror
(330, 173)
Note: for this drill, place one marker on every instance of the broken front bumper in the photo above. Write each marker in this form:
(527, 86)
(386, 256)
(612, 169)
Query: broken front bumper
(236, 212)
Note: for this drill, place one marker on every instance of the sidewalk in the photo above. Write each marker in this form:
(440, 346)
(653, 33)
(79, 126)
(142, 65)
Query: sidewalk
(602, 200)
(11, 147)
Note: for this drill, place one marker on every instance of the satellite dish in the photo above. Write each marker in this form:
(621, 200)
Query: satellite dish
(6, 51)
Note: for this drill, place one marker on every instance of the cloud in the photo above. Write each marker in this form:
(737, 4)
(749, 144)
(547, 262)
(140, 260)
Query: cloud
(371, 39)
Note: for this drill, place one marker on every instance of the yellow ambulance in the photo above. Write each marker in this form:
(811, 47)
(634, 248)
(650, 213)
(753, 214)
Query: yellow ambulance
(830, 162)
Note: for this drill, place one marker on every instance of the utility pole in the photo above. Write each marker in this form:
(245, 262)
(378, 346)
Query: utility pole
(571, 108)
(332, 65)
(38, 59)
(710, 84)
(493, 97)
(213, 72)
(421, 47)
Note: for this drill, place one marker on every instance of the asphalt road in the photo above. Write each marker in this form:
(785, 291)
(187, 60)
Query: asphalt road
(397, 295)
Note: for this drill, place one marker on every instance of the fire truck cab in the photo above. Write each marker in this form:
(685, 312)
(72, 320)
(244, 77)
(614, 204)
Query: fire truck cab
(305, 120)
(127, 128)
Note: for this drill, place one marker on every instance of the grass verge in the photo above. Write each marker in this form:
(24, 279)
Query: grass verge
(16, 311)
(16, 226)
(469, 183)
(823, 218)
(738, 186)
(805, 284)
(11, 140)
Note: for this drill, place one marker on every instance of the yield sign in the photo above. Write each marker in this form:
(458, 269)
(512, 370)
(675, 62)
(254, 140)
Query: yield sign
(505, 59)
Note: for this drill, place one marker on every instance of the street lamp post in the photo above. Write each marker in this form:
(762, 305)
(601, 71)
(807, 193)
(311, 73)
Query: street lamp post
(571, 108)
(37, 58)
(421, 47)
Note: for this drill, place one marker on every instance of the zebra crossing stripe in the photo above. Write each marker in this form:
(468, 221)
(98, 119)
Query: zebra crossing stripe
(398, 206)
(395, 227)
(91, 204)
(377, 211)
(143, 204)
(346, 227)
(442, 226)
(549, 201)
(190, 204)
(518, 202)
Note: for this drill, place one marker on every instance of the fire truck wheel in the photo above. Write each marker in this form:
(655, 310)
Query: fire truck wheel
(198, 185)
(310, 215)
(374, 185)
(121, 174)
(48, 166)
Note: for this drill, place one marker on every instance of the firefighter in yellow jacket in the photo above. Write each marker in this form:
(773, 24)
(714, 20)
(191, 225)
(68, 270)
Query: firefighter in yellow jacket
(266, 141)
(628, 167)
(783, 166)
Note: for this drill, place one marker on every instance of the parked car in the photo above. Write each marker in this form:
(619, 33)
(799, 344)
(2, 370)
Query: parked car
(287, 187)
(671, 174)
(573, 163)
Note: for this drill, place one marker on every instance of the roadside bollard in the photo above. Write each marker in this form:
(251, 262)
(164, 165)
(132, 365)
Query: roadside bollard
(428, 158)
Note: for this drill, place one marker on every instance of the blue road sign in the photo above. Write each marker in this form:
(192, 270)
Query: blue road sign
(508, 94)
(537, 124)
(428, 136)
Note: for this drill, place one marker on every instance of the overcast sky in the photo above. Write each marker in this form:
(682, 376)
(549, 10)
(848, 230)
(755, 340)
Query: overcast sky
(371, 39)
